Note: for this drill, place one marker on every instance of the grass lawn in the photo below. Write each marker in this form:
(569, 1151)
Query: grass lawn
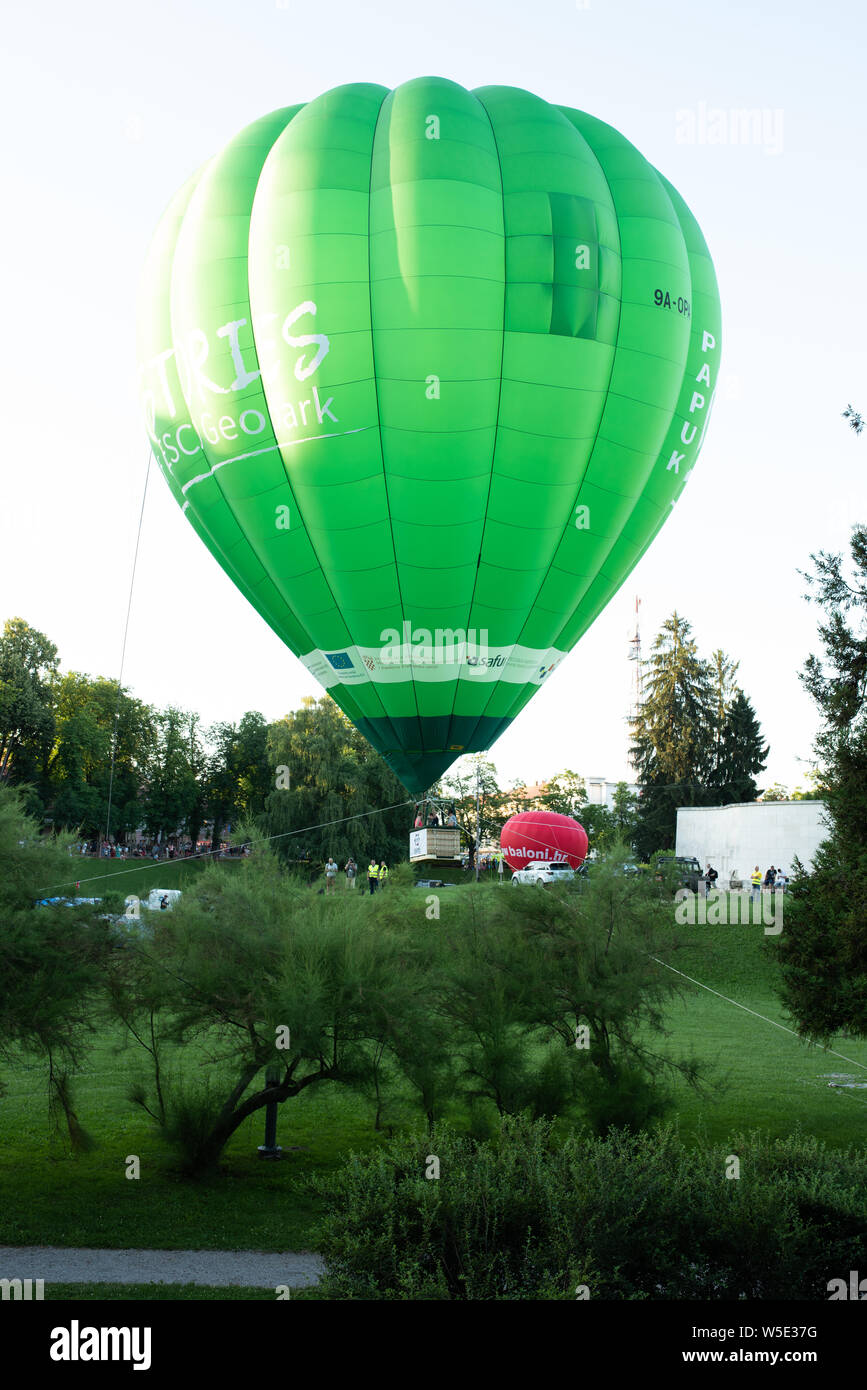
(774, 1082)
(49, 1196)
(139, 876)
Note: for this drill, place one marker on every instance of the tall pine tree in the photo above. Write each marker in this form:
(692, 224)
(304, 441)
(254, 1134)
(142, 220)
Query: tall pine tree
(742, 753)
(697, 741)
(673, 742)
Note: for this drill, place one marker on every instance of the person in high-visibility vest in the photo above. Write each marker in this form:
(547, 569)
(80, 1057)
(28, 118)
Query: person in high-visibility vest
(383, 874)
(372, 875)
(756, 881)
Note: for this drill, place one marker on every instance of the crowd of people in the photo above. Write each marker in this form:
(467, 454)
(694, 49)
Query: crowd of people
(377, 874)
(149, 849)
(773, 880)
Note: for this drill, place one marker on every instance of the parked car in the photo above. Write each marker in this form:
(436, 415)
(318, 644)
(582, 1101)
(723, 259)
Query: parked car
(542, 871)
(688, 870)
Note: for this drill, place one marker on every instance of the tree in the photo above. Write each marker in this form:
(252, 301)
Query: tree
(51, 958)
(28, 665)
(722, 671)
(331, 792)
(696, 741)
(89, 715)
(553, 998)
(239, 777)
(625, 812)
(282, 981)
(823, 950)
(175, 794)
(600, 825)
(469, 775)
(742, 753)
(673, 743)
(777, 792)
(565, 793)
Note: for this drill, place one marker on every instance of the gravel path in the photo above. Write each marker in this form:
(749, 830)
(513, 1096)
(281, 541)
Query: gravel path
(244, 1268)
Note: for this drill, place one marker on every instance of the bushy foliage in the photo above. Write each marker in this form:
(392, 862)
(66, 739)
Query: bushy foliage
(628, 1216)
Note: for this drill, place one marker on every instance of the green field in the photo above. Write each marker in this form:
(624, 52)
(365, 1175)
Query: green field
(99, 876)
(770, 1081)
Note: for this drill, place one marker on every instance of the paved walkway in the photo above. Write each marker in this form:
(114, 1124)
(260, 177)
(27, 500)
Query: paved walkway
(224, 1268)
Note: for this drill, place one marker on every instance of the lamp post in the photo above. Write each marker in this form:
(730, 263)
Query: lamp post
(270, 1148)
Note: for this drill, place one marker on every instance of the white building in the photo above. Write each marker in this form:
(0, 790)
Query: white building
(601, 793)
(733, 839)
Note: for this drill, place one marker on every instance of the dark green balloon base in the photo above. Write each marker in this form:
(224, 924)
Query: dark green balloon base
(430, 745)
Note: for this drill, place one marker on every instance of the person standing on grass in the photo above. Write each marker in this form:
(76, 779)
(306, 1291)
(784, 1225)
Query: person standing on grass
(383, 874)
(330, 875)
(756, 881)
(372, 875)
(350, 869)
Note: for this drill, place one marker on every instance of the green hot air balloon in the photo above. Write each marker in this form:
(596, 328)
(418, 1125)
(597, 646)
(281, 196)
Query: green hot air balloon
(427, 370)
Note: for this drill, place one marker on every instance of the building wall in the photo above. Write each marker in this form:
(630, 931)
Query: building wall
(601, 793)
(736, 838)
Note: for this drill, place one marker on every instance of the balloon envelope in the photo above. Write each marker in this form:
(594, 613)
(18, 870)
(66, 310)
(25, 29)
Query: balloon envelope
(426, 370)
(543, 835)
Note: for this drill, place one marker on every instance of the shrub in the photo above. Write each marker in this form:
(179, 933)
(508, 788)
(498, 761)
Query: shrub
(632, 1216)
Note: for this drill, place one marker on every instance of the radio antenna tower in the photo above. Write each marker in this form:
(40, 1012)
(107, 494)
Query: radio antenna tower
(637, 693)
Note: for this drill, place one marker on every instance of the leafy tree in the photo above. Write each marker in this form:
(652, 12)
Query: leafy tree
(824, 947)
(175, 796)
(339, 789)
(89, 714)
(239, 775)
(600, 825)
(565, 793)
(777, 792)
(625, 812)
(460, 784)
(28, 665)
(521, 974)
(277, 978)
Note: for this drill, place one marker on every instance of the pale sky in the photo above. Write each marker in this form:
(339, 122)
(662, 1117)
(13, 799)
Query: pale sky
(108, 108)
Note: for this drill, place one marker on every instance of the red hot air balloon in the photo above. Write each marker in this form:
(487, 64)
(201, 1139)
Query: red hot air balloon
(543, 835)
